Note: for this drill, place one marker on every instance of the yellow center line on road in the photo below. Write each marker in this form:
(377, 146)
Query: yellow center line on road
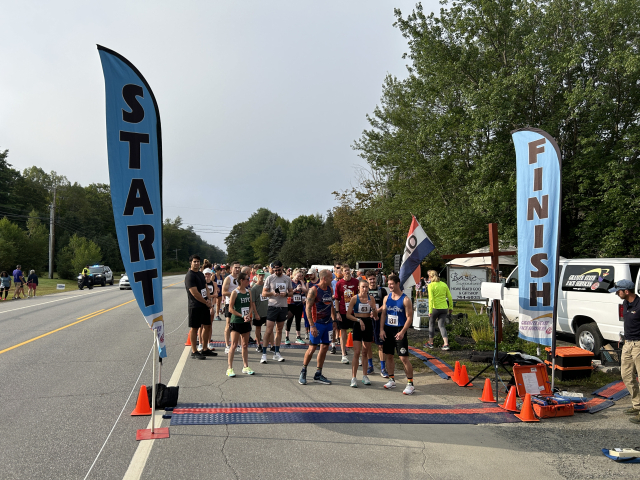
(89, 314)
(80, 320)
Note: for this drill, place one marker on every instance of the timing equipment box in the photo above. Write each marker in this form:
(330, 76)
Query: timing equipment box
(571, 357)
(533, 379)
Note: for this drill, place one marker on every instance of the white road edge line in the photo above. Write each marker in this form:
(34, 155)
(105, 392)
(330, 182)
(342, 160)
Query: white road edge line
(52, 301)
(139, 460)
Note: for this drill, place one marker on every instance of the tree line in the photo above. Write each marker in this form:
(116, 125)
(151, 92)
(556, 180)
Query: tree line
(439, 143)
(84, 225)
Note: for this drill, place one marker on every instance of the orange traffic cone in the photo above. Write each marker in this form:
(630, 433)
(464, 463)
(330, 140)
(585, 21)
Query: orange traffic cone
(463, 378)
(526, 414)
(142, 407)
(188, 342)
(510, 402)
(456, 372)
(350, 341)
(487, 394)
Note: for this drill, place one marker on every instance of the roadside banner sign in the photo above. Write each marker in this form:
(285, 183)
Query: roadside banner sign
(134, 147)
(538, 163)
(417, 247)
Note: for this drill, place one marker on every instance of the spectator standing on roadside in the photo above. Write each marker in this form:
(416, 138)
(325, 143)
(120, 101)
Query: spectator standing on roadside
(5, 285)
(440, 303)
(199, 305)
(630, 358)
(32, 283)
(18, 280)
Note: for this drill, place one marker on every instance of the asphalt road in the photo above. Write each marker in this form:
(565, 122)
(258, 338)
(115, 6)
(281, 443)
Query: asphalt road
(62, 393)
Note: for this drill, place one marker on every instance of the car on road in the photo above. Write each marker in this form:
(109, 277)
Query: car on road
(124, 282)
(101, 275)
(586, 309)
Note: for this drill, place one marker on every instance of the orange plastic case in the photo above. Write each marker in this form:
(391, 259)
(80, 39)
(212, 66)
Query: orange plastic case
(533, 379)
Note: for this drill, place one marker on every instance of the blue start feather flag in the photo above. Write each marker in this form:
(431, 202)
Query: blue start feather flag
(538, 199)
(134, 146)
(417, 247)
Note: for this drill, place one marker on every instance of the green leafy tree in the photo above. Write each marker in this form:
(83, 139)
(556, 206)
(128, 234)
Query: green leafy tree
(78, 253)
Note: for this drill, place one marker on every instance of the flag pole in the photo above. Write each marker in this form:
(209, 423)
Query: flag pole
(153, 384)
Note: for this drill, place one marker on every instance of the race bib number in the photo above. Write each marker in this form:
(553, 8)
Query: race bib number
(263, 299)
(210, 287)
(304, 299)
(331, 335)
(219, 282)
(282, 287)
(364, 308)
(392, 320)
(244, 311)
(203, 292)
(297, 298)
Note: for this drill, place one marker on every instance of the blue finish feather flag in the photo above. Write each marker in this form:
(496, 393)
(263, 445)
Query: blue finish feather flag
(417, 247)
(134, 146)
(539, 183)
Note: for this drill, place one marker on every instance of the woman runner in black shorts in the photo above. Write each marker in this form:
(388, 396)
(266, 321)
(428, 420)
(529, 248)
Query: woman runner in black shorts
(363, 312)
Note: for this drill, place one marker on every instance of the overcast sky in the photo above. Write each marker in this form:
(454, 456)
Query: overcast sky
(251, 93)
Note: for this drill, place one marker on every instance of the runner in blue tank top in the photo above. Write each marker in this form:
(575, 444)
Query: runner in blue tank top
(395, 314)
(321, 314)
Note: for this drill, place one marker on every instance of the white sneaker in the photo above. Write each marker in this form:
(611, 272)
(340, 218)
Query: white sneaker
(263, 359)
(238, 349)
(199, 347)
(345, 360)
(277, 357)
(390, 384)
(360, 362)
(354, 382)
(408, 390)
(365, 380)
(226, 350)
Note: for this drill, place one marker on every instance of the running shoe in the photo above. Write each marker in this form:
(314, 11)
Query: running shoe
(333, 350)
(209, 353)
(199, 347)
(258, 348)
(354, 382)
(408, 390)
(277, 357)
(211, 347)
(263, 359)
(428, 345)
(251, 340)
(345, 360)
(390, 384)
(383, 373)
(303, 377)
(226, 350)
(300, 341)
(230, 372)
(365, 380)
(445, 347)
(360, 361)
(198, 356)
(287, 341)
(370, 370)
(238, 349)
(248, 371)
(321, 379)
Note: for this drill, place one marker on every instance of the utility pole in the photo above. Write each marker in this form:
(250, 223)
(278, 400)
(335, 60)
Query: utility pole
(52, 210)
(177, 256)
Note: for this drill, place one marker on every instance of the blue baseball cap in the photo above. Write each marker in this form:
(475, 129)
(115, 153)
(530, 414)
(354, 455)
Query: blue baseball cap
(622, 285)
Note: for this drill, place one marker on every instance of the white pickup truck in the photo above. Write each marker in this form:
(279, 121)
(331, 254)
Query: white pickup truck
(586, 308)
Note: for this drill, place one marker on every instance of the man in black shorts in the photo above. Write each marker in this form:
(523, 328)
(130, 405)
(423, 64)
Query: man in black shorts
(198, 306)
(378, 296)
(396, 315)
(277, 288)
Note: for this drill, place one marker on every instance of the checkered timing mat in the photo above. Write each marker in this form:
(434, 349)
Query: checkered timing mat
(443, 369)
(251, 413)
(613, 391)
(253, 345)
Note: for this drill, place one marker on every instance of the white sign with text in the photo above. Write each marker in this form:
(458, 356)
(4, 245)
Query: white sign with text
(465, 283)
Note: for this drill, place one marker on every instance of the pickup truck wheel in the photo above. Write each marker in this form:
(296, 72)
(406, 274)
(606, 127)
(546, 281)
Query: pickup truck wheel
(588, 337)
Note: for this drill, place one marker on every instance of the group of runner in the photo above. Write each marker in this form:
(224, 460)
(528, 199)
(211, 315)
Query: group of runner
(329, 303)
